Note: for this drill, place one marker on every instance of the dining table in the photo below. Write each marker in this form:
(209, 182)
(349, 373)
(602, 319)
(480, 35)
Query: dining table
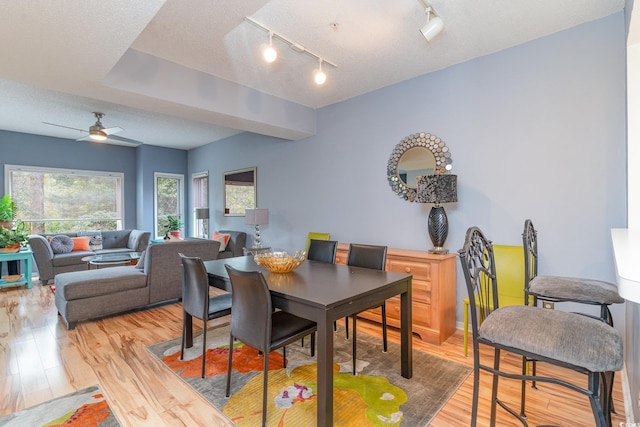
(324, 293)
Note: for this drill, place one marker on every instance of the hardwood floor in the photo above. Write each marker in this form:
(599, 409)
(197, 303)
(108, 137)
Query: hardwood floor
(40, 360)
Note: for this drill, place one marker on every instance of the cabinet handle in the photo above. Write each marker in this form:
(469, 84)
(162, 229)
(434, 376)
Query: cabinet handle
(407, 269)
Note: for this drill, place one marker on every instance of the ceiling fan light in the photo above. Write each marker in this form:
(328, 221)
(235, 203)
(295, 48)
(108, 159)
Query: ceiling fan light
(97, 135)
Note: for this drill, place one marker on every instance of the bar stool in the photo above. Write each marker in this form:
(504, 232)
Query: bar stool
(534, 333)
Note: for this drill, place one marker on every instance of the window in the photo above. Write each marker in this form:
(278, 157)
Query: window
(200, 183)
(65, 200)
(169, 200)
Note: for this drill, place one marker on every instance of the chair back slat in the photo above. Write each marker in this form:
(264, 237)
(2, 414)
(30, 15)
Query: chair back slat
(530, 244)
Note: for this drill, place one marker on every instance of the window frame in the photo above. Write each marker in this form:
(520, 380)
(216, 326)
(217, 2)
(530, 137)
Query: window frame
(8, 183)
(180, 179)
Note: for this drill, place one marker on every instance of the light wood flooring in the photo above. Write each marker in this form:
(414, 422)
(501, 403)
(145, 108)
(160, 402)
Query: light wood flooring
(41, 360)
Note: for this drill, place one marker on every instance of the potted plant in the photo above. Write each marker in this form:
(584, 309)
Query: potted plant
(12, 238)
(174, 224)
(8, 211)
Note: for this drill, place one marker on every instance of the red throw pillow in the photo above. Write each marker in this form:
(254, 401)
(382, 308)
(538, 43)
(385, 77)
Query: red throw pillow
(80, 243)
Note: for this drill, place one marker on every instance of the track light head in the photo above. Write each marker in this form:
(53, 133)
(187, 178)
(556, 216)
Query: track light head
(268, 52)
(434, 25)
(318, 75)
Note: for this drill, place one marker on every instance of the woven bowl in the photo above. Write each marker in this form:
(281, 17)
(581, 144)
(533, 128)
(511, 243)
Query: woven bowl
(12, 278)
(280, 262)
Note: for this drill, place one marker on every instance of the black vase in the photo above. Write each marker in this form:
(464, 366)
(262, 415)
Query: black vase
(438, 226)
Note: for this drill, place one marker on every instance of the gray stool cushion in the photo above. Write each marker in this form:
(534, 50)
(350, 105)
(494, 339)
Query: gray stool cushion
(566, 337)
(575, 289)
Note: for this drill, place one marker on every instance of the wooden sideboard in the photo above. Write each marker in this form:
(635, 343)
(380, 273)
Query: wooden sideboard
(434, 292)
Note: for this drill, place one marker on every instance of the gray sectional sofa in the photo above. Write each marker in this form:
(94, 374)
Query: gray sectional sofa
(49, 263)
(89, 294)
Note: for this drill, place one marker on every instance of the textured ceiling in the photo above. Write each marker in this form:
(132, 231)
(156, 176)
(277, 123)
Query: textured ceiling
(62, 63)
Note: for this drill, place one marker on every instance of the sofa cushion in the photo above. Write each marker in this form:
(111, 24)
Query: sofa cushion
(61, 244)
(115, 239)
(95, 239)
(103, 281)
(70, 258)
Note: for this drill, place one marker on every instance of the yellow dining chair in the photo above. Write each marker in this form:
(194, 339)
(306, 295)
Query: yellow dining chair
(316, 236)
(510, 267)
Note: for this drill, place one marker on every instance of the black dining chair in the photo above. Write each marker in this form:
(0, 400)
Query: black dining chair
(374, 257)
(254, 322)
(583, 344)
(322, 250)
(197, 303)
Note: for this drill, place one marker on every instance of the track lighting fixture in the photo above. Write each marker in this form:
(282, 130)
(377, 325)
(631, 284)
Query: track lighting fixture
(318, 75)
(270, 54)
(434, 24)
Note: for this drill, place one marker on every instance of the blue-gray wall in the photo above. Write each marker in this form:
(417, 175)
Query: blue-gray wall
(35, 150)
(536, 131)
(137, 164)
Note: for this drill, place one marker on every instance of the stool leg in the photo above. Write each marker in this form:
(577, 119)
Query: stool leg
(466, 327)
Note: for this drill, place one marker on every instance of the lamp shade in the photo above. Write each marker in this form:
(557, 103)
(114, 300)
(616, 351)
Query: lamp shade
(256, 216)
(439, 188)
(202, 213)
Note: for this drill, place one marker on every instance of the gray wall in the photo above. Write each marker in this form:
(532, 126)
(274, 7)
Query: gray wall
(536, 131)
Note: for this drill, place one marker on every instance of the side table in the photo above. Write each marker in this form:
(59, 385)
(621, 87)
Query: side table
(24, 255)
(255, 251)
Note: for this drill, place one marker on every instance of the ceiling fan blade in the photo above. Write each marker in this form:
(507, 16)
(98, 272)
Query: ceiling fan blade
(119, 140)
(112, 130)
(114, 140)
(66, 127)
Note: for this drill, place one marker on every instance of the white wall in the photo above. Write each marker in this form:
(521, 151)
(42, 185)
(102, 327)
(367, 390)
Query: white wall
(536, 131)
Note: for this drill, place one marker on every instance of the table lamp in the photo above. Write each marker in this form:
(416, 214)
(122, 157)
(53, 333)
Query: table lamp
(202, 214)
(257, 217)
(437, 189)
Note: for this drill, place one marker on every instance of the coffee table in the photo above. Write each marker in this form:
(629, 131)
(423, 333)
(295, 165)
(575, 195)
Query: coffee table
(110, 260)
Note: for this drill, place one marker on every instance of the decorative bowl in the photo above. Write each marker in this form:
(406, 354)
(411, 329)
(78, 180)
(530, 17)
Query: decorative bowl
(280, 262)
(12, 278)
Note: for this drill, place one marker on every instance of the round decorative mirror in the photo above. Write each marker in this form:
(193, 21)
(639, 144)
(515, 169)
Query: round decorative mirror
(416, 155)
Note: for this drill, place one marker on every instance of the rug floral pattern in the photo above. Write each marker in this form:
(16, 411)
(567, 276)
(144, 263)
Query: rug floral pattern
(377, 396)
(84, 408)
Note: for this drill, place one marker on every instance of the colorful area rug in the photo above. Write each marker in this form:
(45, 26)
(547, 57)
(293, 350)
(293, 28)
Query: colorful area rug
(84, 408)
(377, 396)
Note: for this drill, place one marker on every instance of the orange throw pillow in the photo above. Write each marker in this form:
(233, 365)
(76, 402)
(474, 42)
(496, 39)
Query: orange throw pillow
(223, 238)
(80, 243)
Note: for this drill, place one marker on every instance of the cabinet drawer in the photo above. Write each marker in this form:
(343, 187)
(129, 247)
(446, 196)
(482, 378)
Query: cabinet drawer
(420, 313)
(419, 271)
(421, 292)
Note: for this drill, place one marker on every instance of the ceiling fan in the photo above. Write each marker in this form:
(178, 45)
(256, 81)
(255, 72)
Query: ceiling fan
(97, 132)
